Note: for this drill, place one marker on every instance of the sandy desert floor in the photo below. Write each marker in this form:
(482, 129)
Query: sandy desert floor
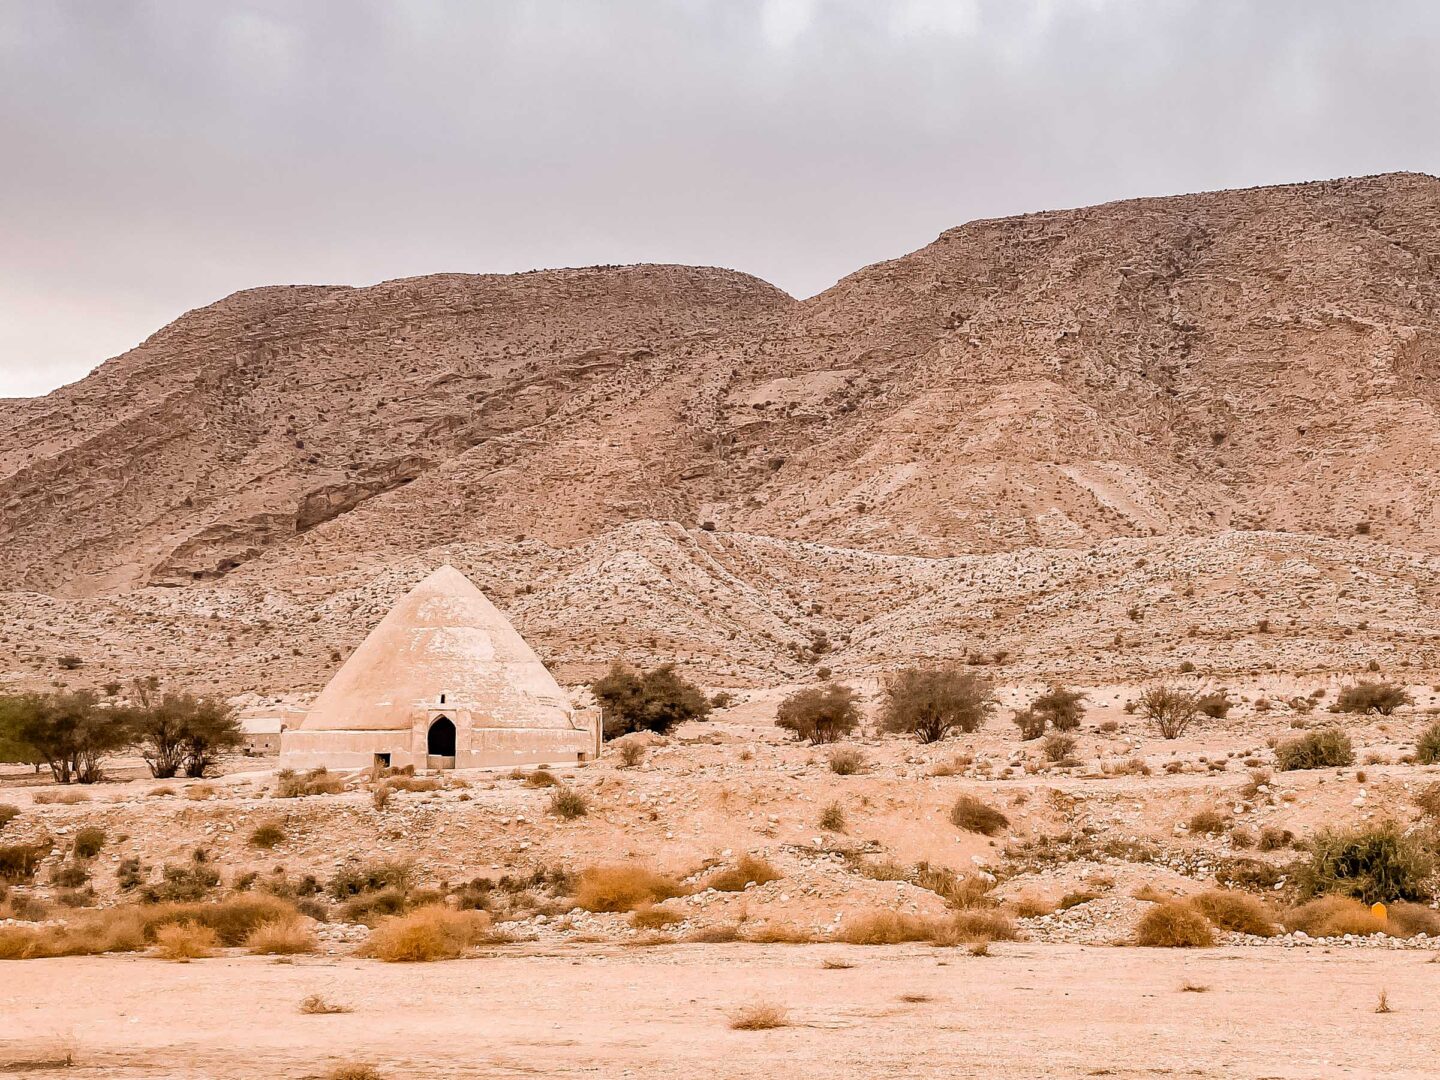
(1026, 1010)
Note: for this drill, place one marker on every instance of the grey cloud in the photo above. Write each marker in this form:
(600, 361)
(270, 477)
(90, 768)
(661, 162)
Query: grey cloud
(158, 155)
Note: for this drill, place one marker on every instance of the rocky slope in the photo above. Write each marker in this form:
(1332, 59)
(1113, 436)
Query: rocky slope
(1098, 439)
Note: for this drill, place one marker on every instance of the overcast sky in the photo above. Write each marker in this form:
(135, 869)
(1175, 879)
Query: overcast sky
(155, 156)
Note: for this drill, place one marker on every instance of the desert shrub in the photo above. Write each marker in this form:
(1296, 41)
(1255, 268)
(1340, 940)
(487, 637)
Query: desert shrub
(180, 732)
(1325, 749)
(69, 876)
(956, 891)
(821, 714)
(622, 887)
(539, 778)
(970, 927)
(568, 804)
(894, 928)
(8, 813)
(1333, 916)
(1216, 705)
(113, 930)
(369, 877)
(1371, 863)
(370, 907)
(180, 883)
(722, 934)
(631, 753)
(315, 1005)
(1060, 707)
(381, 795)
(761, 1017)
(320, 781)
(1235, 911)
(653, 918)
(428, 933)
(1171, 924)
(282, 937)
(354, 1070)
(88, 842)
(1030, 723)
(655, 700)
(832, 818)
(267, 836)
(1057, 747)
(417, 783)
(62, 797)
(1427, 747)
(1171, 709)
(748, 870)
(130, 874)
(1428, 800)
(70, 731)
(185, 941)
(1407, 919)
(886, 928)
(1372, 697)
(1076, 898)
(846, 760)
(1208, 823)
(929, 703)
(1242, 872)
(1273, 838)
(18, 862)
(972, 815)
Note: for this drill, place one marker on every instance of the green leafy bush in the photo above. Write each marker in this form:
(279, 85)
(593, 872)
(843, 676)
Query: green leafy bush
(821, 714)
(655, 700)
(1374, 863)
(1377, 697)
(1328, 748)
(931, 702)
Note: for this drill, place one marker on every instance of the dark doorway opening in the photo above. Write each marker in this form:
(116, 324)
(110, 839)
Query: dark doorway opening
(382, 760)
(440, 742)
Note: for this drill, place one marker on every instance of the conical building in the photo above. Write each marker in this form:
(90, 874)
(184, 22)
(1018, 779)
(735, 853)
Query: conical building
(443, 682)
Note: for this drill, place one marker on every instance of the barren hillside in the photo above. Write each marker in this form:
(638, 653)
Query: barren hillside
(1098, 440)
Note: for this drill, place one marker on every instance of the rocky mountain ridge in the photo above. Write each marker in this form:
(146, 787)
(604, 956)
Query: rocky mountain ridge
(1004, 442)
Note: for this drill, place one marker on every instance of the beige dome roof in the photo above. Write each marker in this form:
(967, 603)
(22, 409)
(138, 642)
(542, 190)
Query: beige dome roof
(442, 637)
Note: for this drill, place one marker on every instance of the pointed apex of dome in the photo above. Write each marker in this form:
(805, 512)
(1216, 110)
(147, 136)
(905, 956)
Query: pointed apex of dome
(446, 579)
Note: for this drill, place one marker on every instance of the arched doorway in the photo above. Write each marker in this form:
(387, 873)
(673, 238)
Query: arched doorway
(440, 740)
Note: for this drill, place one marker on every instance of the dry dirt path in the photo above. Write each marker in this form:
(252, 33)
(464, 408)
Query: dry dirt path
(1025, 1011)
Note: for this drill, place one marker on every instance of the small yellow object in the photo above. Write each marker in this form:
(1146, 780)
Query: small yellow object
(1378, 910)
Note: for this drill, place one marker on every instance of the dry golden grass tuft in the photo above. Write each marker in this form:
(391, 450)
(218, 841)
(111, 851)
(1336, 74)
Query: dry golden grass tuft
(1235, 911)
(134, 926)
(354, 1071)
(1173, 925)
(315, 1005)
(64, 797)
(835, 965)
(972, 815)
(759, 1017)
(777, 933)
(1027, 906)
(185, 941)
(281, 937)
(622, 887)
(428, 933)
(893, 928)
(1333, 916)
(722, 934)
(653, 918)
(748, 870)
(1407, 920)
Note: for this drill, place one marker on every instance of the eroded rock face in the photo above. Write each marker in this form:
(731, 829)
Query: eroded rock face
(1147, 378)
